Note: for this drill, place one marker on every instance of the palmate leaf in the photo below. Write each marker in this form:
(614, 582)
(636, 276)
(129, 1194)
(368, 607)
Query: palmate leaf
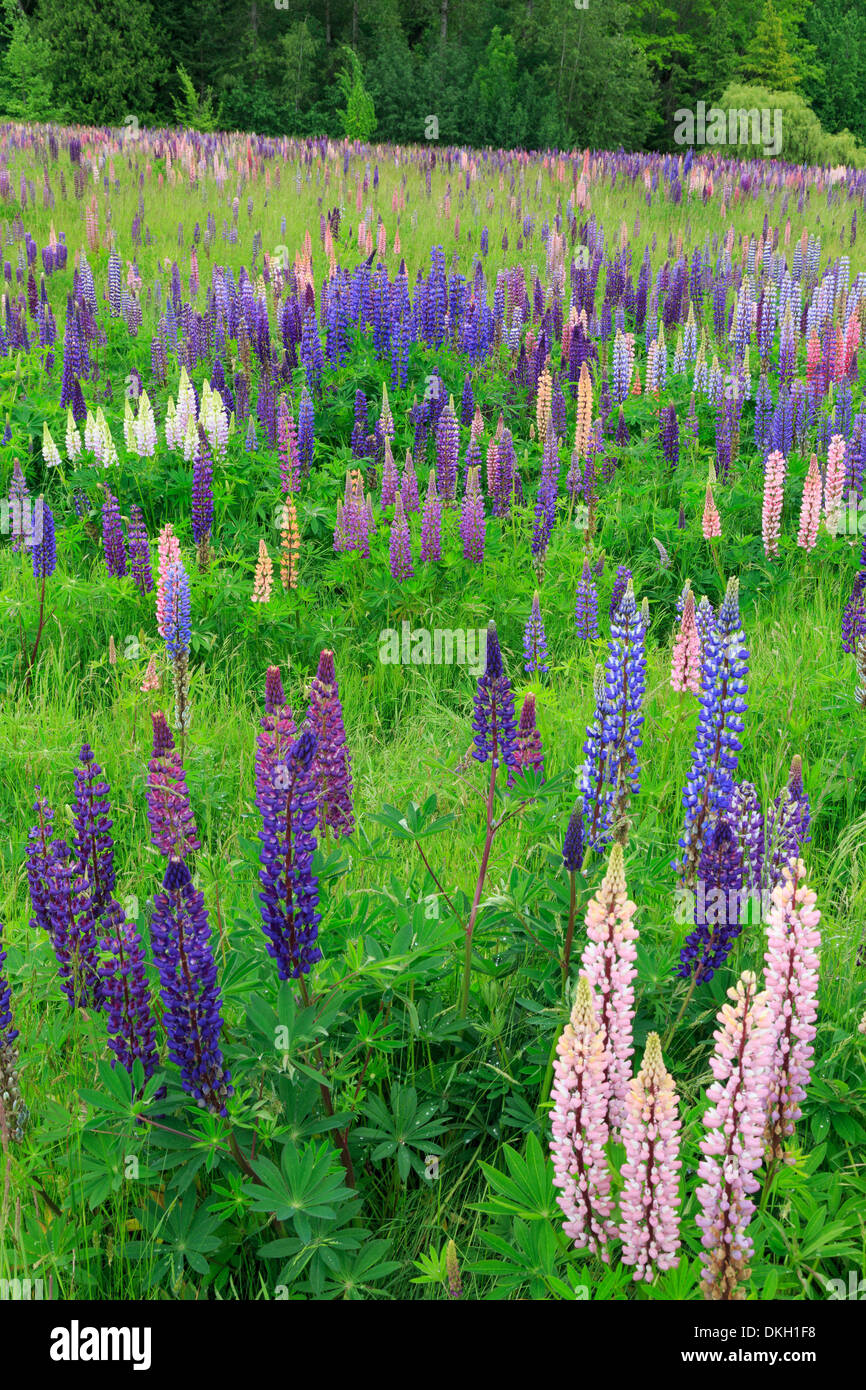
(527, 1189)
(310, 1183)
(407, 1129)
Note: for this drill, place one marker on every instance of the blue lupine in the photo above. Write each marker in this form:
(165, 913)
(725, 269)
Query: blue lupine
(586, 606)
(495, 723)
(535, 641)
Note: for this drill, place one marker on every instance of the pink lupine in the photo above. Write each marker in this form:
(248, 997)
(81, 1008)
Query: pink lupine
(810, 509)
(608, 963)
(834, 481)
(390, 478)
(711, 524)
(151, 677)
(650, 1197)
(775, 468)
(686, 663)
(579, 1127)
(168, 553)
(733, 1145)
(791, 982)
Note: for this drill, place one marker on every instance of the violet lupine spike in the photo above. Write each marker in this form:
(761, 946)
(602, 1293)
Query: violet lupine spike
(472, 521)
(40, 839)
(73, 929)
(180, 937)
(400, 544)
(586, 606)
(286, 798)
(131, 1029)
(535, 641)
(92, 821)
(581, 1172)
(431, 523)
(332, 766)
(791, 966)
(172, 825)
(113, 544)
(623, 575)
(787, 826)
(608, 962)
(623, 715)
(447, 451)
(494, 723)
(650, 1197)
(572, 845)
(139, 551)
(717, 904)
(733, 1145)
(44, 553)
(202, 497)
(528, 749)
(747, 821)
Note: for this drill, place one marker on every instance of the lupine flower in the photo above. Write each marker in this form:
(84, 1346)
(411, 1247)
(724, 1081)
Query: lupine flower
(650, 1196)
(834, 481)
(711, 524)
(810, 509)
(494, 722)
(91, 819)
(452, 1268)
(263, 581)
(45, 550)
(579, 1127)
(733, 1144)
(131, 1030)
(775, 468)
(113, 544)
(535, 641)
(19, 496)
(13, 1111)
(791, 981)
(151, 677)
(686, 663)
(180, 936)
(286, 798)
(202, 499)
(854, 614)
(172, 825)
(860, 693)
(73, 928)
(586, 606)
(290, 545)
(620, 583)
(623, 702)
(717, 906)
(332, 766)
(390, 478)
(787, 826)
(608, 964)
(168, 553)
(431, 523)
(710, 783)
(572, 845)
(139, 551)
(747, 822)
(400, 545)
(528, 752)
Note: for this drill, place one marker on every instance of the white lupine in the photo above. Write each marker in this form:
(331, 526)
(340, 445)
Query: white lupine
(171, 424)
(129, 438)
(73, 438)
(190, 439)
(145, 428)
(91, 434)
(50, 452)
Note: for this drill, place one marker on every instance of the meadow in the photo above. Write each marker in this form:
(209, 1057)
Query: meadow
(288, 990)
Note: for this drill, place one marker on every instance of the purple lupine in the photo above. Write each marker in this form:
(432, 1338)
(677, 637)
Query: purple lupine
(535, 641)
(92, 822)
(623, 575)
(409, 485)
(73, 928)
(494, 723)
(472, 522)
(586, 606)
(202, 498)
(787, 826)
(19, 496)
(306, 430)
(332, 766)
(724, 684)
(13, 1111)
(400, 544)
(623, 701)
(431, 523)
(113, 544)
(716, 906)
(40, 839)
(447, 450)
(45, 550)
(528, 752)
(169, 814)
(747, 821)
(854, 614)
(139, 551)
(180, 937)
(131, 1030)
(287, 802)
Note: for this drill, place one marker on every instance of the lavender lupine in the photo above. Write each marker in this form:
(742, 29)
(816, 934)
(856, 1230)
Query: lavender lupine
(400, 545)
(181, 940)
(791, 981)
(130, 1024)
(733, 1144)
(447, 450)
(332, 768)
(581, 1172)
(178, 630)
(623, 575)
(494, 722)
(535, 641)
(91, 819)
(13, 1111)
(650, 1197)
(710, 783)
(73, 928)
(172, 824)
(286, 798)
(472, 521)
(431, 523)
(202, 499)
(623, 714)
(608, 962)
(586, 606)
(113, 544)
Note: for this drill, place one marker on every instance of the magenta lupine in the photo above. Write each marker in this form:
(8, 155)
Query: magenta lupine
(287, 444)
(409, 484)
(472, 523)
(608, 962)
(810, 509)
(686, 662)
(834, 481)
(711, 524)
(649, 1203)
(131, 1029)
(400, 544)
(791, 983)
(332, 766)
(172, 824)
(431, 523)
(168, 553)
(390, 479)
(529, 753)
(775, 468)
(579, 1128)
(733, 1145)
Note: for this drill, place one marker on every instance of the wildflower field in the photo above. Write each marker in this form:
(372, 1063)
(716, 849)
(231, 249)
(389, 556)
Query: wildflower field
(432, 780)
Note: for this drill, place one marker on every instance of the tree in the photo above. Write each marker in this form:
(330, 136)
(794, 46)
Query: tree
(768, 59)
(25, 85)
(106, 58)
(191, 110)
(359, 114)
